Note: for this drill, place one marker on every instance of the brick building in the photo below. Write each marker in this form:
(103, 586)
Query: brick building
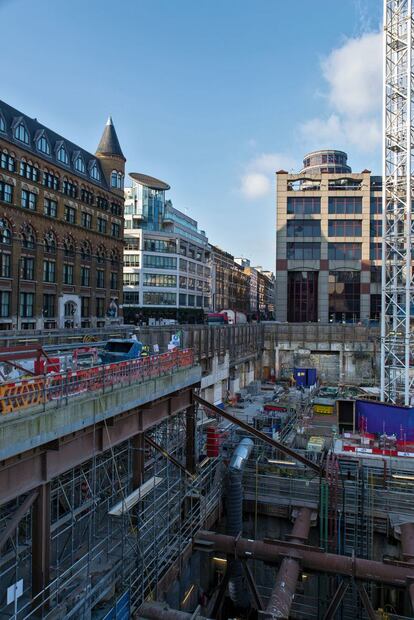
(61, 227)
(328, 248)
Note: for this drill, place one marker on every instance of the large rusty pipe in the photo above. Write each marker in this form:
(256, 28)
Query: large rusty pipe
(407, 546)
(311, 558)
(161, 611)
(281, 598)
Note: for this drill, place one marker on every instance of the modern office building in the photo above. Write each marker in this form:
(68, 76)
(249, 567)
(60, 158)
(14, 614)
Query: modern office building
(328, 245)
(61, 227)
(229, 283)
(166, 258)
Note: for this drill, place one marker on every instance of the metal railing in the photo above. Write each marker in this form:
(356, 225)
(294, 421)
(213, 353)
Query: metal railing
(56, 389)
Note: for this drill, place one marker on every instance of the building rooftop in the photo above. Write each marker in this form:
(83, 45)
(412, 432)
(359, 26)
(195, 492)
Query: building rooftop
(109, 143)
(151, 182)
(32, 132)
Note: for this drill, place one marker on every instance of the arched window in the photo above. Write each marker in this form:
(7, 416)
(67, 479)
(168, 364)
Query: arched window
(43, 145)
(119, 181)
(5, 232)
(28, 237)
(100, 254)
(2, 124)
(69, 246)
(62, 155)
(95, 174)
(49, 241)
(21, 133)
(79, 164)
(114, 178)
(86, 251)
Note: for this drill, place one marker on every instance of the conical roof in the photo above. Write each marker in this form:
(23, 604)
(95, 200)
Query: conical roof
(109, 144)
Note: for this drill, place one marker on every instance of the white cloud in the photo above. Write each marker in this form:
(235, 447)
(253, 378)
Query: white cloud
(255, 185)
(353, 73)
(257, 181)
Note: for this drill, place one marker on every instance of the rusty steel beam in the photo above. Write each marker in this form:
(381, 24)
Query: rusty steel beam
(252, 586)
(220, 594)
(366, 601)
(17, 517)
(167, 455)
(407, 546)
(336, 600)
(311, 558)
(26, 471)
(253, 431)
(281, 598)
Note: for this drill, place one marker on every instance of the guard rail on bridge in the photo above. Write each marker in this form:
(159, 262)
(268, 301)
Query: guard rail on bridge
(57, 388)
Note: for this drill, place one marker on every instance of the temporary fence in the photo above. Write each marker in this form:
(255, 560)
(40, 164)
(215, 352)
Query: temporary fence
(18, 395)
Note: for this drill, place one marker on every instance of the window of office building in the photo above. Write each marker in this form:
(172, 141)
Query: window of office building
(341, 205)
(375, 228)
(87, 196)
(303, 205)
(52, 182)
(85, 276)
(303, 251)
(376, 205)
(62, 155)
(4, 304)
(86, 220)
(131, 243)
(160, 299)
(375, 307)
(27, 267)
(50, 208)
(102, 203)
(375, 251)
(182, 299)
(29, 200)
(344, 251)
(100, 307)
(191, 284)
(26, 305)
(131, 279)
(70, 215)
(5, 265)
(7, 162)
(131, 298)
(159, 245)
(160, 262)
(70, 189)
(49, 305)
(100, 278)
(344, 296)
(115, 230)
(302, 296)
(191, 300)
(49, 271)
(344, 228)
(6, 192)
(183, 265)
(114, 280)
(199, 301)
(158, 279)
(67, 273)
(183, 282)
(29, 171)
(303, 228)
(191, 267)
(85, 307)
(131, 260)
(21, 133)
(102, 225)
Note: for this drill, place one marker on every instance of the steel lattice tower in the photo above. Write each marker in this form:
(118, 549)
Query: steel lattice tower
(397, 372)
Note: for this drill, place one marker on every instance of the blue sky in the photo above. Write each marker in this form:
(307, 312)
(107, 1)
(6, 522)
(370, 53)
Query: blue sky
(209, 95)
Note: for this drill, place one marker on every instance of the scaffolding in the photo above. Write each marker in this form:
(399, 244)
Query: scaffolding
(397, 275)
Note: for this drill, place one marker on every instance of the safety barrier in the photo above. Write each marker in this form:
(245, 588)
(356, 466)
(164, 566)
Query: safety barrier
(18, 395)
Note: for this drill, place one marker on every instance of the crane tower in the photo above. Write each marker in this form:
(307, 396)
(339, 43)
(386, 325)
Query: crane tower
(397, 371)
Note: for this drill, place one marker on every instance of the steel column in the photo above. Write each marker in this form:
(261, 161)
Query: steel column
(281, 598)
(336, 600)
(407, 546)
(41, 543)
(138, 460)
(190, 420)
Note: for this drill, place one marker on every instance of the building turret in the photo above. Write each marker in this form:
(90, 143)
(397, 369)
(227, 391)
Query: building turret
(112, 158)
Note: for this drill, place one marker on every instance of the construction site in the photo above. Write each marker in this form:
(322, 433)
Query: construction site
(254, 471)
